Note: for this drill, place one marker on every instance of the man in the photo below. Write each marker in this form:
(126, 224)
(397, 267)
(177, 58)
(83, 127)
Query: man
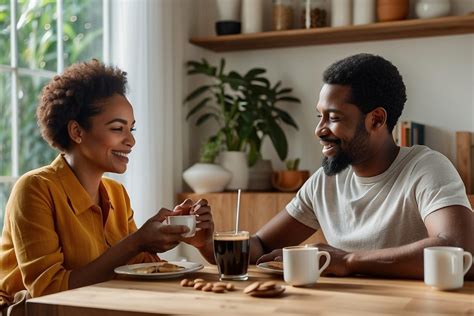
(377, 204)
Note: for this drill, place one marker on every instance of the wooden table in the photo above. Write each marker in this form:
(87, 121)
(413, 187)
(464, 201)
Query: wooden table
(348, 296)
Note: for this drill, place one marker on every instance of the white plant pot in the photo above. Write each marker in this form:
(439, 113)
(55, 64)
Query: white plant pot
(236, 163)
(228, 10)
(207, 177)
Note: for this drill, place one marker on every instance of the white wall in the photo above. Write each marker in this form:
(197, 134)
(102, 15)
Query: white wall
(438, 73)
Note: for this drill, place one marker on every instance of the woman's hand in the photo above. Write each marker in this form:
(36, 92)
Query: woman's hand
(204, 221)
(155, 237)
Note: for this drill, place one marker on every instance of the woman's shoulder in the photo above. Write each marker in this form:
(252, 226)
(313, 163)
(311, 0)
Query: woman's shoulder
(36, 178)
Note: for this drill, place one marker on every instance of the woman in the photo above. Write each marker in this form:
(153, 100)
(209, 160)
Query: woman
(65, 225)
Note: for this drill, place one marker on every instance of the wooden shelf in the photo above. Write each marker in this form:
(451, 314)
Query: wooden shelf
(345, 34)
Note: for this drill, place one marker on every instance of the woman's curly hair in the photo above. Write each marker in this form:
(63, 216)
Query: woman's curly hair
(73, 96)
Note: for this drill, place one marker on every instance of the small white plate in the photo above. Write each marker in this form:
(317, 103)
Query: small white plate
(265, 267)
(131, 270)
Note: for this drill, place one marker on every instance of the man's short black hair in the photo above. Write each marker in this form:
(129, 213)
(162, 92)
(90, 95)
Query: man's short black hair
(374, 81)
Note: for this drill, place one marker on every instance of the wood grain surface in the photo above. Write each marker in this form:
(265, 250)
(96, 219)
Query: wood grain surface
(347, 296)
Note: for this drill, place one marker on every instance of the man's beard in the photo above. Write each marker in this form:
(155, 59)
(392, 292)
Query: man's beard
(352, 152)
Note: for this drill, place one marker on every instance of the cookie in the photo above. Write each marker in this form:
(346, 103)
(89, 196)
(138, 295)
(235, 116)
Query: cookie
(277, 291)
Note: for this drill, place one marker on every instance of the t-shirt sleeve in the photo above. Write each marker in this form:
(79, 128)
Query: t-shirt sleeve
(437, 184)
(301, 207)
(35, 240)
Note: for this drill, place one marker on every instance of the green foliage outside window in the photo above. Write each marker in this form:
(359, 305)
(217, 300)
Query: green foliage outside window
(37, 51)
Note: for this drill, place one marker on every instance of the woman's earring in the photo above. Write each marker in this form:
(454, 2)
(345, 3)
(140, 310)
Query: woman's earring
(79, 140)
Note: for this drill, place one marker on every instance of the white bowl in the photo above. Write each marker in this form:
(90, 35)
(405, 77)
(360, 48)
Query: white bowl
(426, 9)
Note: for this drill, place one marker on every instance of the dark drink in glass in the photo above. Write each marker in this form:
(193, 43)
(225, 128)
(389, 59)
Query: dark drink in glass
(232, 254)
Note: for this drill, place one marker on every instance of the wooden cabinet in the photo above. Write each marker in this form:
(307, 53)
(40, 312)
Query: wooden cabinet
(345, 34)
(256, 209)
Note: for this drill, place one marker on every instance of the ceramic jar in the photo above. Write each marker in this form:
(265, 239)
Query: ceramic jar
(282, 15)
(341, 13)
(252, 16)
(228, 21)
(207, 177)
(364, 12)
(313, 13)
(392, 10)
(426, 9)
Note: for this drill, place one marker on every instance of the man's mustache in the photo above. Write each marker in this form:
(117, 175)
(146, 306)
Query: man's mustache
(336, 141)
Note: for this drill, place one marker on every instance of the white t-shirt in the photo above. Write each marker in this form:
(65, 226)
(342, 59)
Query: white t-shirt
(388, 210)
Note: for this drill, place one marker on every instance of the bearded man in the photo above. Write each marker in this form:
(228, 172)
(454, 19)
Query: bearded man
(377, 204)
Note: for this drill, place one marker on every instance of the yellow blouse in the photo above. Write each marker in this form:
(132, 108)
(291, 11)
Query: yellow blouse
(52, 227)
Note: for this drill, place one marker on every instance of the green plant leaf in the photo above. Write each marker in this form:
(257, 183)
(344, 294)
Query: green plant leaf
(221, 67)
(285, 117)
(265, 81)
(278, 138)
(283, 91)
(203, 118)
(289, 99)
(198, 107)
(197, 92)
(252, 73)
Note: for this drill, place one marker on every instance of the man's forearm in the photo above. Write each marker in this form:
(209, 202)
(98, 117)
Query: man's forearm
(400, 262)
(256, 249)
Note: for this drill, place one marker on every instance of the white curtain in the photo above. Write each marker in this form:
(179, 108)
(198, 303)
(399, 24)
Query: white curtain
(148, 39)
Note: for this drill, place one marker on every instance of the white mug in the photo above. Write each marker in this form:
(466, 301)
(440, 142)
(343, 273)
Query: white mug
(301, 264)
(185, 220)
(445, 267)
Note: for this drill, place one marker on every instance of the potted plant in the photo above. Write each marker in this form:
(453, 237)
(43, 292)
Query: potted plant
(218, 100)
(206, 176)
(291, 179)
(244, 107)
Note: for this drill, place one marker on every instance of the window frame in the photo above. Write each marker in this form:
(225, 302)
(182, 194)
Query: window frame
(15, 72)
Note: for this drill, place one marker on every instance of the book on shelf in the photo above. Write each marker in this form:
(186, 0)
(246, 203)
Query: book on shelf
(408, 133)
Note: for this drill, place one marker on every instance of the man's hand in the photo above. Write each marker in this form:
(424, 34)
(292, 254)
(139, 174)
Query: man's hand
(275, 255)
(339, 261)
(337, 267)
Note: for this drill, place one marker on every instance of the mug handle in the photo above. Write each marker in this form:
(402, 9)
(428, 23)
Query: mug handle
(328, 260)
(467, 261)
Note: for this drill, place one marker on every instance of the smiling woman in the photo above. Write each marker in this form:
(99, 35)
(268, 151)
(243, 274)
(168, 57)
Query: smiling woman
(84, 220)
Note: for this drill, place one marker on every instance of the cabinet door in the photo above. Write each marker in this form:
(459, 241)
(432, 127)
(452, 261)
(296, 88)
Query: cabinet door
(256, 209)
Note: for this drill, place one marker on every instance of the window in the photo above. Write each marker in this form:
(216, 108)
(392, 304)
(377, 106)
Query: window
(30, 55)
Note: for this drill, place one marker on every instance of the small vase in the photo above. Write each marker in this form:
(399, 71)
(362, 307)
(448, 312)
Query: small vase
(236, 163)
(364, 12)
(341, 13)
(207, 177)
(252, 16)
(228, 20)
(392, 10)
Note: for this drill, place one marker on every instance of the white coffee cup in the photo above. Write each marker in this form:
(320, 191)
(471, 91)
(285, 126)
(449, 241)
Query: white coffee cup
(185, 220)
(301, 264)
(445, 267)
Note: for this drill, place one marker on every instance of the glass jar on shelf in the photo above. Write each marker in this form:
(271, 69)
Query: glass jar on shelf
(313, 13)
(282, 15)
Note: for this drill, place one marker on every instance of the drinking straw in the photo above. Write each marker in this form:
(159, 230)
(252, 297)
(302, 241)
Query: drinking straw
(238, 213)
